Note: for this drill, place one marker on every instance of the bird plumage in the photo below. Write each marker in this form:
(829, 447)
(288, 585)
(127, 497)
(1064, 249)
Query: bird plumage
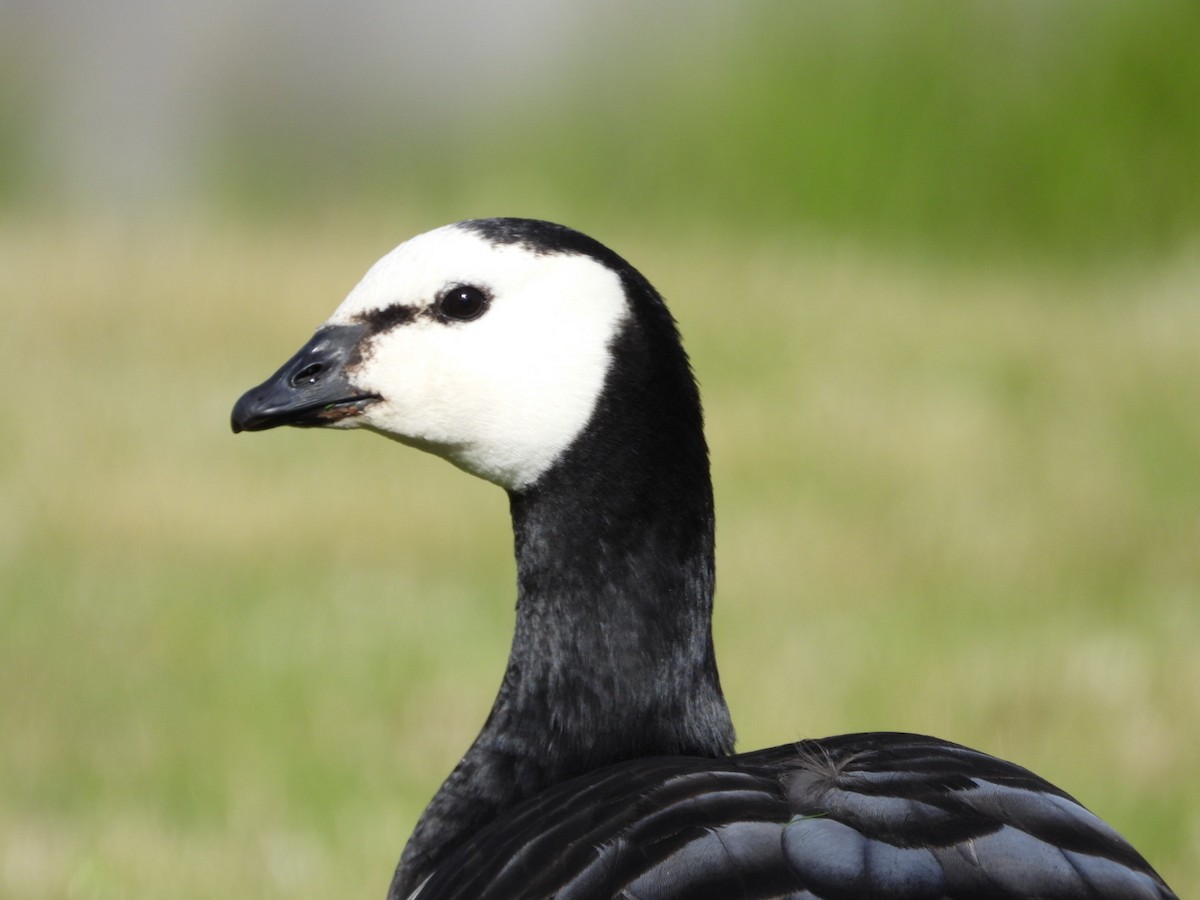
(863, 815)
(535, 357)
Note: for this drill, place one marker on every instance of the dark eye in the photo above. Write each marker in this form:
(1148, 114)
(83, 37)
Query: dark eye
(462, 303)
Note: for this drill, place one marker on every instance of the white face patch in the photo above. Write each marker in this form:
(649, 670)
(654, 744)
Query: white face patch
(501, 396)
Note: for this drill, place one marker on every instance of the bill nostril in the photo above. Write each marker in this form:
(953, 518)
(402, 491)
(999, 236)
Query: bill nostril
(308, 375)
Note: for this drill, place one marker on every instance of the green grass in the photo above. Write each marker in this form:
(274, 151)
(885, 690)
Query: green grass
(957, 500)
(1064, 129)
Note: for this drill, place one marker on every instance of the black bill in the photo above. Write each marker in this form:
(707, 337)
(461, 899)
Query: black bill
(311, 388)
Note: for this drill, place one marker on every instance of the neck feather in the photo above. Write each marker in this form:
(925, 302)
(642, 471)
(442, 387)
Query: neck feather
(612, 656)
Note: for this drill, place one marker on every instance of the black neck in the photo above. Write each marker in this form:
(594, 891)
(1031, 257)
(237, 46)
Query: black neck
(612, 658)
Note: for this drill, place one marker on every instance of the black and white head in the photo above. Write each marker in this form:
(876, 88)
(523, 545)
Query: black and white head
(492, 343)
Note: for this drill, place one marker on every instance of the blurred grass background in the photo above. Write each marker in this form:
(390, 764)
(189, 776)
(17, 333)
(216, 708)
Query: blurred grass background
(939, 272)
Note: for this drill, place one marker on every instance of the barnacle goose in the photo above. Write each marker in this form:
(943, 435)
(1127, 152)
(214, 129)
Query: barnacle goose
(532, 356)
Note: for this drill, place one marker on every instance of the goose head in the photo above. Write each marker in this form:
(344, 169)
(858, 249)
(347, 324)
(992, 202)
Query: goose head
(486, 342)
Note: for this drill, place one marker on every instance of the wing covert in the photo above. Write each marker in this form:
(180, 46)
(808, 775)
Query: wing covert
(888, 816)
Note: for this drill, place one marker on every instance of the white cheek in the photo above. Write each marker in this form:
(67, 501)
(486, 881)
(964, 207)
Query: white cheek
(503, 396)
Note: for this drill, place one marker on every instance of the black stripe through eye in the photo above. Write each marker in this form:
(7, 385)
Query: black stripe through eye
(389, 317)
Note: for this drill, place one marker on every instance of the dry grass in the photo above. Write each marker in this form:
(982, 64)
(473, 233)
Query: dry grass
(958, 501)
